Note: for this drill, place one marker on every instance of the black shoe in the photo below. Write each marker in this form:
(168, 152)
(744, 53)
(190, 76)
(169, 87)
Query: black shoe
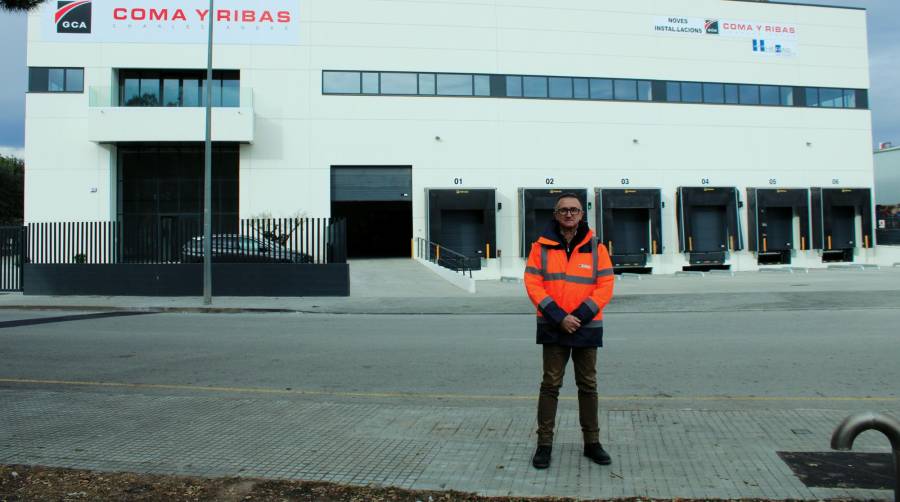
(595, 452)
(541, 459)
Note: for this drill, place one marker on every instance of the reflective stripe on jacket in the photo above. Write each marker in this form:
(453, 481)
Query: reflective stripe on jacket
(559, 285)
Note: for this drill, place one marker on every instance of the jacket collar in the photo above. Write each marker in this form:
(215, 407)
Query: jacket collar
(552, 237)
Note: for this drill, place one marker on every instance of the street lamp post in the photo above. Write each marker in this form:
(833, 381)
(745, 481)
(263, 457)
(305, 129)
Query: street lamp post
(207, 171)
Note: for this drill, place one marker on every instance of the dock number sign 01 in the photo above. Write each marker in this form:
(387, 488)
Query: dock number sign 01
(273, 22)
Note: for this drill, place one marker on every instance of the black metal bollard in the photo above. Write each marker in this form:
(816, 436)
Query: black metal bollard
(854, 425)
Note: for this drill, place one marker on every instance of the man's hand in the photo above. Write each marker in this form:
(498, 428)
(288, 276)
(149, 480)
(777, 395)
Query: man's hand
(570, 324)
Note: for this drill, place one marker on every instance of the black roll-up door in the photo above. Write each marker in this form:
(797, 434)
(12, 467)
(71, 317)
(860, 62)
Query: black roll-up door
(710, 227)
(631, 231)
(371, 183)
(778, 229)
(843, 227)
(463, 230)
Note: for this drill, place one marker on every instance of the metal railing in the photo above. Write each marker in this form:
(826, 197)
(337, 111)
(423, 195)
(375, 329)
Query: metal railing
(168, 240)
(445, 257)
(12, 257)
(854, 425)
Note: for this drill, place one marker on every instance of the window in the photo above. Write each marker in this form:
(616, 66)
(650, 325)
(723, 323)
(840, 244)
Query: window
(831, 98)
(691, 92)
(601, 88)
(56, 80)
(581, 88)
(673, 92)
(74, 80)
(749, 94)
(514, 87)
(561, 87)
(732, 96)
(482, 85)
(534, 87)
(171, 92)
(454, 85)
(626, 90)
(231, 93)
(849, 98)
(190, 92)
(812, 96)
(340, 82)
(173, 88)
(769, 95)
(149, 92)
(787, 96)
(370, 83)
(714, 93)
(645, 90)
(426, 84)
(139, 89)
(399, 83)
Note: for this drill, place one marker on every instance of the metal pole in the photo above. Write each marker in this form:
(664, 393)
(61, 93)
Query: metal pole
(207, 171)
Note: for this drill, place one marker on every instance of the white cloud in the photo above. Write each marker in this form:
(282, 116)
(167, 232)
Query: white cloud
(11, 151)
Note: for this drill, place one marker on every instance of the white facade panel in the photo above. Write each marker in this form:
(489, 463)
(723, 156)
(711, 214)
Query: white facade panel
(294, 133)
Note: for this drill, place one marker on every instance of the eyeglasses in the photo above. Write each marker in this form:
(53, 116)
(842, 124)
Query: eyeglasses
(563, 211)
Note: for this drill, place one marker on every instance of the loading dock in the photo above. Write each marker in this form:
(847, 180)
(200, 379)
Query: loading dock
(536, 207)
(708, 224)
(779, 223)
(629, 223)
(464, 221)
(842, 222)
(377, 204)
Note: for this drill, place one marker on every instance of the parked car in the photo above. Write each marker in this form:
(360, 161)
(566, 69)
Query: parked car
(231, 248)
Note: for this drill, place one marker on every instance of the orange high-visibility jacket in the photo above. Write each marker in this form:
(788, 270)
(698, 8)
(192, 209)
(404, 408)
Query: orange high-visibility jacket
(559, 285)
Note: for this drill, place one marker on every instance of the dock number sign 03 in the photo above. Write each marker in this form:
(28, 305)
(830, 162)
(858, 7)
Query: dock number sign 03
(761, 38)
(273, 22)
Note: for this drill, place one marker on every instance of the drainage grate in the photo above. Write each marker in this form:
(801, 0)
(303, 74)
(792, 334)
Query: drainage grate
(869, 471)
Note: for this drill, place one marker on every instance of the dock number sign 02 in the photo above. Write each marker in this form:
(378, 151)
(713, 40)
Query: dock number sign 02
(273, 22)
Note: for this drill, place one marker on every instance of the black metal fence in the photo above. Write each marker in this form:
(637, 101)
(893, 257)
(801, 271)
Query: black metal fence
(888, 231)
(163, 241)
(12, 247)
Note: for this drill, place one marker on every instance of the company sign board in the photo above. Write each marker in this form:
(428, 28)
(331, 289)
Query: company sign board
(273, 22)
(763, 38)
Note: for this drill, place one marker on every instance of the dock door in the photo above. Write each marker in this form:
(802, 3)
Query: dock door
(708, 224)
(629, 223)
(842, 222)
(464, 221)
(779, 223)
(536, 207)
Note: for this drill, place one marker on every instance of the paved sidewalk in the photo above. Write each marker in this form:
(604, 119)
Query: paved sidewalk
(482, 448)
(819, 289)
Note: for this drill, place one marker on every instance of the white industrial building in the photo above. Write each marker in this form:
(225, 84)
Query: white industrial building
(702, 133)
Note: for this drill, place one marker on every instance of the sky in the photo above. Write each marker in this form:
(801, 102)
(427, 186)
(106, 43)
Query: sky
(884, 47)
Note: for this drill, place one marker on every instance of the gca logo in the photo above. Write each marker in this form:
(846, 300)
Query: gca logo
(712, 27)
(73, 16)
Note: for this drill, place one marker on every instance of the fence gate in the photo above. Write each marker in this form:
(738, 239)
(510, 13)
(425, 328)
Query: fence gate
(12, 256)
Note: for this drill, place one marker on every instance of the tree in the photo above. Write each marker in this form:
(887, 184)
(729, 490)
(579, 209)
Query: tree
(12, 190)
(18, 5)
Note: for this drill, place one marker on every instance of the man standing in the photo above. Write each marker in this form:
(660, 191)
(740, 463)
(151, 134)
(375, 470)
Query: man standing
(569, 279)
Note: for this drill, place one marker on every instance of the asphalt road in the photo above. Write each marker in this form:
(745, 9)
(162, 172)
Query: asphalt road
(798, 359)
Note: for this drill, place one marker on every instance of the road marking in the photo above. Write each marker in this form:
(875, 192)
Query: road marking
(415, 395)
